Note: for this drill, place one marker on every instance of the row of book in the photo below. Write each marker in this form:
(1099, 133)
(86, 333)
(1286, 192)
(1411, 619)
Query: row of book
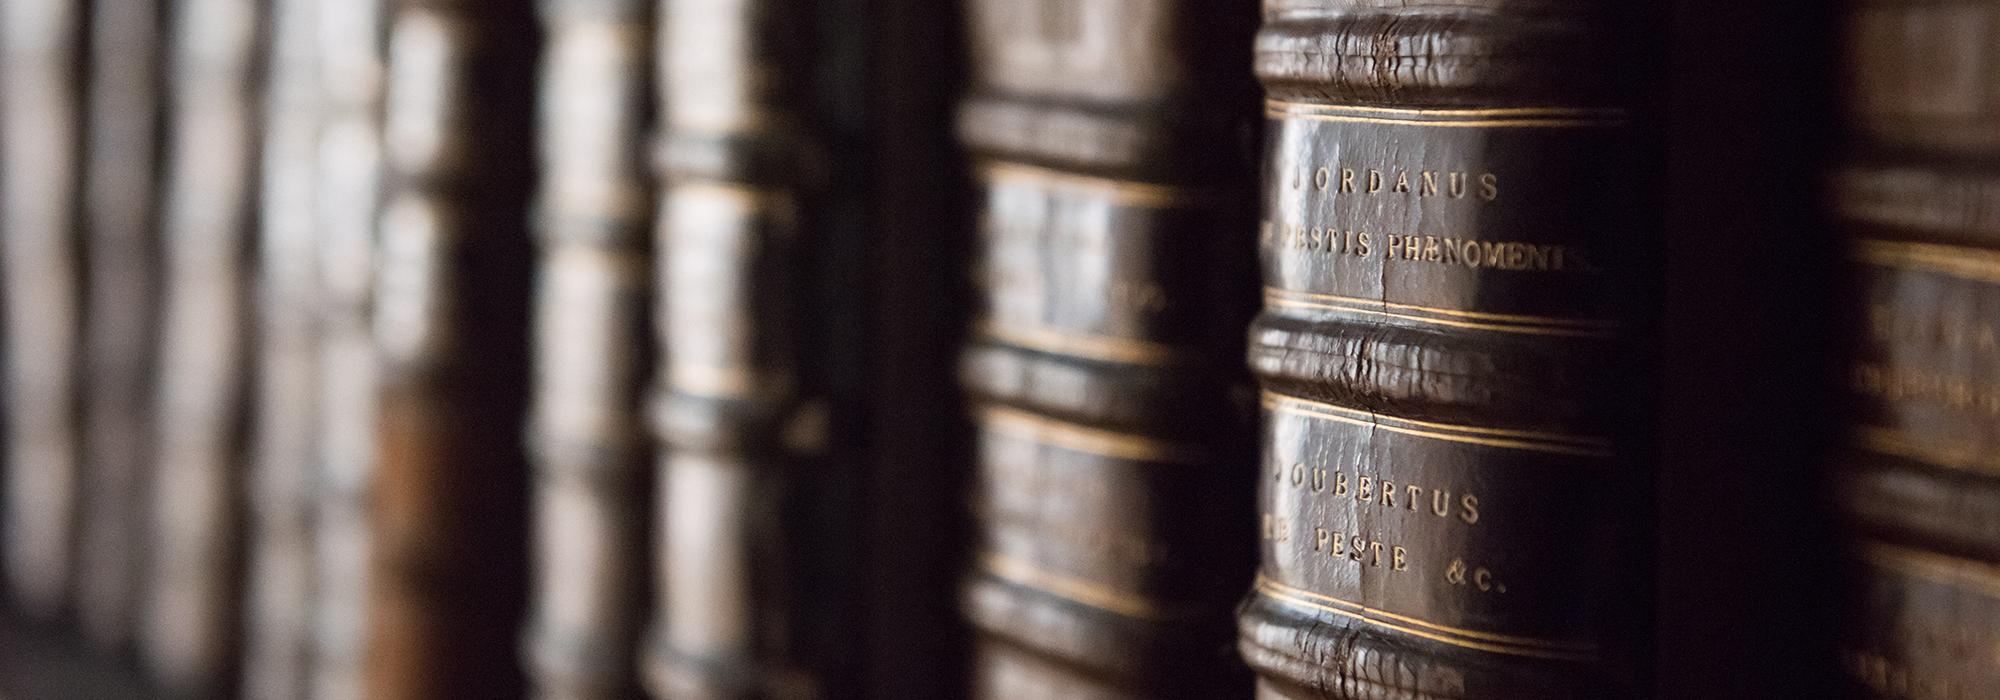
(897, 348)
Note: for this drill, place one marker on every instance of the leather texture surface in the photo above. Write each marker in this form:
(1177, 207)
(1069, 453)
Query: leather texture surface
(1451, 262)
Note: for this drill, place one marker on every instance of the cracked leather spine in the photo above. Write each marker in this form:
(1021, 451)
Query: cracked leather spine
(1454, 255)
(1110, 144)
(1912, 200)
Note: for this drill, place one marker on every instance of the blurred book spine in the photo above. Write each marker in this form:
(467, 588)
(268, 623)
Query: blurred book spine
(277, 631)
(451, 311)
(121, 197)
(41, 46)
(1113, 532)
(731, 230)
(592, 485)
(190, 634)
(1916, 201)
(350, 43)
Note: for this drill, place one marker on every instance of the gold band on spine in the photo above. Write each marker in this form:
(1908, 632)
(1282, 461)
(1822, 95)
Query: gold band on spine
(1545, 117)
(1957, 572)
(1454, 318)
(1938, 453)
(1103, 348)
(1073, 589)
(1455, 636)
(1534, 441)
(1964, 262)
(716, 382)
(1070, 436)
(1125, 192)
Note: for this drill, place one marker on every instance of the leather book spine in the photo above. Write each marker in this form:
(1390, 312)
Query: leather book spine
(1114, 278)
(451, 316)
(1453, 245)
(730, 230)
(278, 577)
(197, 508)
(591, 476)
(40, 44)
(1916, 201)
(120, 180)
(351, 41)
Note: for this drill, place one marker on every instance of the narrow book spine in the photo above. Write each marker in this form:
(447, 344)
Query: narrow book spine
(1917, 201)
(350, 46)
(1115, 277)
(728, 235)
(1454, 258)
(40, 42)
(277, 636)
(591, 485)
(197, 506)
(121, 200)
(450, 317)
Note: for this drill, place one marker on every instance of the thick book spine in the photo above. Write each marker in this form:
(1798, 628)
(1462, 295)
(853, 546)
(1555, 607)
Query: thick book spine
(121, 200)
(1454, 251)
(1917, 201)
(351, 42)
(1115, 277)
(277, 635)
(40, 41)
(730, 231)
(591, 485)
(188, 637)
(450, 318)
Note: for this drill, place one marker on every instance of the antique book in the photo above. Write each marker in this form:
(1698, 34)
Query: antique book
(277, 622)
(1454, 249)
(121, 200)
(738, 425)
(350, 44)
(591, 487)
(1916, 198)
(451, 301)
(41, 44)
(189, 632)
(1112, 532)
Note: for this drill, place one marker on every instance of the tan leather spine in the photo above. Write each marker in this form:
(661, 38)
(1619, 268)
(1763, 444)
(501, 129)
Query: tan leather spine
(122, 199)
(277, 632)
(39, 110)
(350, 42)
(189, 636)
(1915, 200)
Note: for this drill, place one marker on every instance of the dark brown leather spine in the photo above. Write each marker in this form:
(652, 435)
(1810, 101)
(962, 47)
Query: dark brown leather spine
(1453, 245)
(1917, 200)
(189, 637)
(121, 199)
(277, 632)
(730, 413)
(1112, 533)
(40, 42)
(591, 488)
(451, 317)
(350, 49)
